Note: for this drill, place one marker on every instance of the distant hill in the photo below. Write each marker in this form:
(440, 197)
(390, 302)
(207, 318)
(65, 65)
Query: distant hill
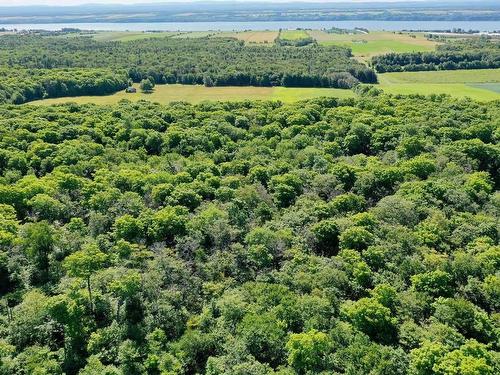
(255, 11)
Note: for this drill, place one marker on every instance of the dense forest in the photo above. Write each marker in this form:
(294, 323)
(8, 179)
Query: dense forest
(23, 85)
(211, 61)
(452, 55)
(353, 236)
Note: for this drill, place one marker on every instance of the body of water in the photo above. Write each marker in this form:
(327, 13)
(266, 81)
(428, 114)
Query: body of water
(267, 25)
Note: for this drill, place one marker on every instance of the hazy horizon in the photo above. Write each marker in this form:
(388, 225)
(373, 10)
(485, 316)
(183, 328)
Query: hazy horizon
(138, 2)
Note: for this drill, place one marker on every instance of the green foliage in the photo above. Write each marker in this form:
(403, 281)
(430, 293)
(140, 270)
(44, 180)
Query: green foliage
(326, 233)
(85, 262)
(168, 223)
(38, 243)
(470, 358)
(307, 351)
(436, 283)
(147, 85)
(264, 337)
(23, 85)
(372, 318)
(355, 236)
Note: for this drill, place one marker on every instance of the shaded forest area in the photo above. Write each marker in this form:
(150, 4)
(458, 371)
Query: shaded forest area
(19, 86)
(329, 236)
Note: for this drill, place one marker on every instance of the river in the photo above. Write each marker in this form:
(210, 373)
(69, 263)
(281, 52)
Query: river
(484, 26)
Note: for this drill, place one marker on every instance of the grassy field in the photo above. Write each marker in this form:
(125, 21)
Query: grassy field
(443, 76)
(293, 34)
(495, 87)
(252, 37)
(482, 84)
(195, 94)
(365, 46)
(458, 90)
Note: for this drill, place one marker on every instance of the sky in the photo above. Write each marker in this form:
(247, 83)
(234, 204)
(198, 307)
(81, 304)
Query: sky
(78, 2)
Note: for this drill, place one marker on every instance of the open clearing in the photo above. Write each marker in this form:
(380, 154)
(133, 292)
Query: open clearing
(443, 76)
(458, 90)
(194, 94)
(495, 87)
(481, 84)
(293, 34)
(365, 46)
(251, 37)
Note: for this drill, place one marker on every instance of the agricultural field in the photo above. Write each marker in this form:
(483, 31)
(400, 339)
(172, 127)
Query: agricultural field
(495, 87)
(389, 83)
(443, 76)
(196, 93)
(294, 34)
(365, 46)
(481, 84)
(252, 37)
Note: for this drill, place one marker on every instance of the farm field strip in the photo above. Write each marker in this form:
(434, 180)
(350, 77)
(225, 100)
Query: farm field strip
(458, 90)
(198, 93)
(442, 76)
(365, 46)
(294, 34)
(495, 87)
(481, 84)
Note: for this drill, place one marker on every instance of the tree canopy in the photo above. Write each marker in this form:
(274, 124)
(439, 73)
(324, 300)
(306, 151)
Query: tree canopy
(329, 236)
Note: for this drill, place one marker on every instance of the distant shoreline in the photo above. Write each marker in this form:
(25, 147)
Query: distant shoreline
(481, 26)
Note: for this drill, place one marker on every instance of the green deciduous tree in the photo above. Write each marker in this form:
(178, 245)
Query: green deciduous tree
(307, 351)
(83, 264)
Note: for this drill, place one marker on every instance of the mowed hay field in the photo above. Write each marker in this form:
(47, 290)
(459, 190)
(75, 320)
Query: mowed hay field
(294, 34)
(196, 93)
(365, 46)
(443, 76)
(252, 37)
(481, 84)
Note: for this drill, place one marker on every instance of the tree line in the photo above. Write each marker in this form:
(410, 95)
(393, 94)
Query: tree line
(222, 61)
(328, 236)
(466, 54)
(23, 85)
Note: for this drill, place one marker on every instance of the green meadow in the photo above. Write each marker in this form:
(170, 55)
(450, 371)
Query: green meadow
(483, 85)
(365, 46)
(293, 34)
(480, 84)
(197, 93)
